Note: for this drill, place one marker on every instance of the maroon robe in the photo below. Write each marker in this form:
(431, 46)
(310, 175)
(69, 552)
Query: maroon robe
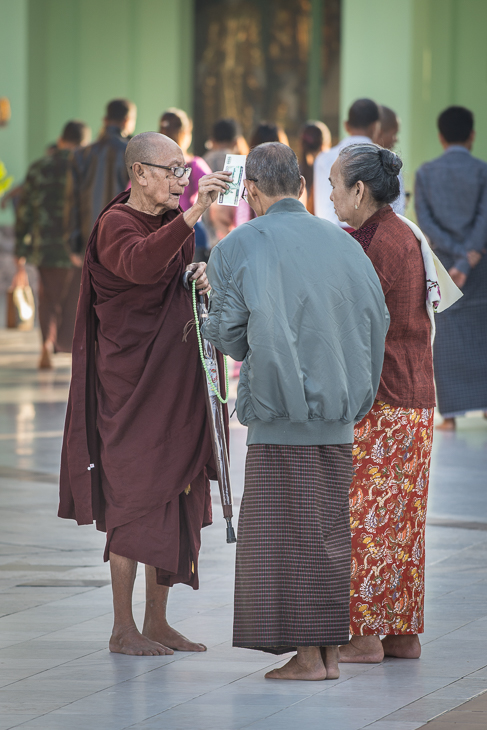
(136, 433)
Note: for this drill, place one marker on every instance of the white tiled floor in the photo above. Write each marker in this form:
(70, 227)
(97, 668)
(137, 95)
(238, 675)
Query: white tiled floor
(56, 672)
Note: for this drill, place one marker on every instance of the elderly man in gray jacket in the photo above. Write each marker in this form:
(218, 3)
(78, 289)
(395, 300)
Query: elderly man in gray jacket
(298, 301)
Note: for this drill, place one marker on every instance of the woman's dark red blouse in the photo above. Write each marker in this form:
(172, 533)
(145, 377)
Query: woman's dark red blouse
(407, 375)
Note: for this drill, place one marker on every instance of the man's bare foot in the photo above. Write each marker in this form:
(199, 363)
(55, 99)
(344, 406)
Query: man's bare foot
(362, 650)
(447, 425)
(130, 641)
(167, 636)
(330, 656)
(45, 363)
(307, 665)
(404, 647)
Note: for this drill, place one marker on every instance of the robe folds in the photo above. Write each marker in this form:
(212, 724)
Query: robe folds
(136, 433)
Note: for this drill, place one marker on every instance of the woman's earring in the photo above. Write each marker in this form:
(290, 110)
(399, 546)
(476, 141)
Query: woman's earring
(356, 206)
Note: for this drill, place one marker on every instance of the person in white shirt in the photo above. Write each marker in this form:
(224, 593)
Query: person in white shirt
(363, 126)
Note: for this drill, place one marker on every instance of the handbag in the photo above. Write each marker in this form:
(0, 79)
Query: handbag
(20, 303)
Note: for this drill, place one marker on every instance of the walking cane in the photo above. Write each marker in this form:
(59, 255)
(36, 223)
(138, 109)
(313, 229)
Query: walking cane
(214, 405)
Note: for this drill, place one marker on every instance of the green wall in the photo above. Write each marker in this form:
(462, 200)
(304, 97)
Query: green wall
(418, 57)
(64, 59)
(13, 84)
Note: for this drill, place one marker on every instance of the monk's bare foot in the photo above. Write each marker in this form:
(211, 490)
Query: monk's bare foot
(362, 650)
(307, 665)
(404, 647)
(168, 636)
(447, 425)
(130, 641)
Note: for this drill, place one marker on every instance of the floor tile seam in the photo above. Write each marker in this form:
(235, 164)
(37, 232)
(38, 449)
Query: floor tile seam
(203, 612)
(462, 702)
(455, 590)
(50, 603)
(55, 549)
(445, 712)
(180, 704)
(457, 552)
(431, 641)
(89, 589)
(151, 717)
(45, 714)
(47, 669)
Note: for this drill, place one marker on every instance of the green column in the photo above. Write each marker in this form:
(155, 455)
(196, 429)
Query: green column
(376, 61)
(315, 60)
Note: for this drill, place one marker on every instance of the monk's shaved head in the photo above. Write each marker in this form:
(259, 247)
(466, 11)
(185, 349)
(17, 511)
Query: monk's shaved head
(151, 147)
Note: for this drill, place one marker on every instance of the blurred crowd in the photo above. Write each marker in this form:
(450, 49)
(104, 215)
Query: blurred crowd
(65, 191)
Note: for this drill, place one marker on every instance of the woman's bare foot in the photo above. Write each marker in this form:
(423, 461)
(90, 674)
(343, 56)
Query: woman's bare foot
(167, 636)
(362, 650)
(330, 656)
(404, 647)
(307, 665)
(130, 641)
(447, 425)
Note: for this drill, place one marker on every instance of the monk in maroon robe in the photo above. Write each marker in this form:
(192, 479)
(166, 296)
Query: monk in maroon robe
(137, 452)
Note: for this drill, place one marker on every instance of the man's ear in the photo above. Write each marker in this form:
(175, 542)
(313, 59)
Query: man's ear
(302, 187)
(251, 188)
(139, 174)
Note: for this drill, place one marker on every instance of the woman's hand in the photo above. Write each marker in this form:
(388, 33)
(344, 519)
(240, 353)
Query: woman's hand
(199, 275)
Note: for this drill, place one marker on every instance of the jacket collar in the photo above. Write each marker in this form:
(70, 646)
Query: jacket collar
(286, 205)
(456, 148)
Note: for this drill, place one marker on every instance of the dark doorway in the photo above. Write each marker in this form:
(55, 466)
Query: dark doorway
(274, 60)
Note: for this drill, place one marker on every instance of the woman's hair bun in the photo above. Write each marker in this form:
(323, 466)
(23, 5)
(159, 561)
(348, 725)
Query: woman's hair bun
(390, 161)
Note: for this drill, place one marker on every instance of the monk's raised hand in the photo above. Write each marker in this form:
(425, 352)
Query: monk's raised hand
(199, 275)
(209, 186)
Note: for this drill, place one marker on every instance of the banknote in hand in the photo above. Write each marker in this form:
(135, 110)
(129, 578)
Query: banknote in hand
(236, 165)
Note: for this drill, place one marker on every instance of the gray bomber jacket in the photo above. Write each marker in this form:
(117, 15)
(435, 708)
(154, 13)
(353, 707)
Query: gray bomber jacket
(296, 298)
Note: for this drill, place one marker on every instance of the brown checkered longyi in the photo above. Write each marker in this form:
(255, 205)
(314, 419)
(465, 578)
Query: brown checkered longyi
(293, 550)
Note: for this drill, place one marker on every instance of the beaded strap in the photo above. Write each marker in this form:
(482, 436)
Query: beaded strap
(203, 360)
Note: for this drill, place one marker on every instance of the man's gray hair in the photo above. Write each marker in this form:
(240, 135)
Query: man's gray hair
(274, 168)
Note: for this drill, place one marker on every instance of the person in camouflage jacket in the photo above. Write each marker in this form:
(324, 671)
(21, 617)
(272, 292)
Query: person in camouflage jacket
(39, 234)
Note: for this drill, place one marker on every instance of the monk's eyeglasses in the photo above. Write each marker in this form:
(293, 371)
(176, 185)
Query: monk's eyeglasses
(245, 195)
(176, 171)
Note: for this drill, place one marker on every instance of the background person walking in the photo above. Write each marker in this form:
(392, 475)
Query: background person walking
(39, 241)
(451, 205)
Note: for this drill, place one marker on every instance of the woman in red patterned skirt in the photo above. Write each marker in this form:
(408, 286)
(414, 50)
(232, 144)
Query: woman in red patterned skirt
(392, 445)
